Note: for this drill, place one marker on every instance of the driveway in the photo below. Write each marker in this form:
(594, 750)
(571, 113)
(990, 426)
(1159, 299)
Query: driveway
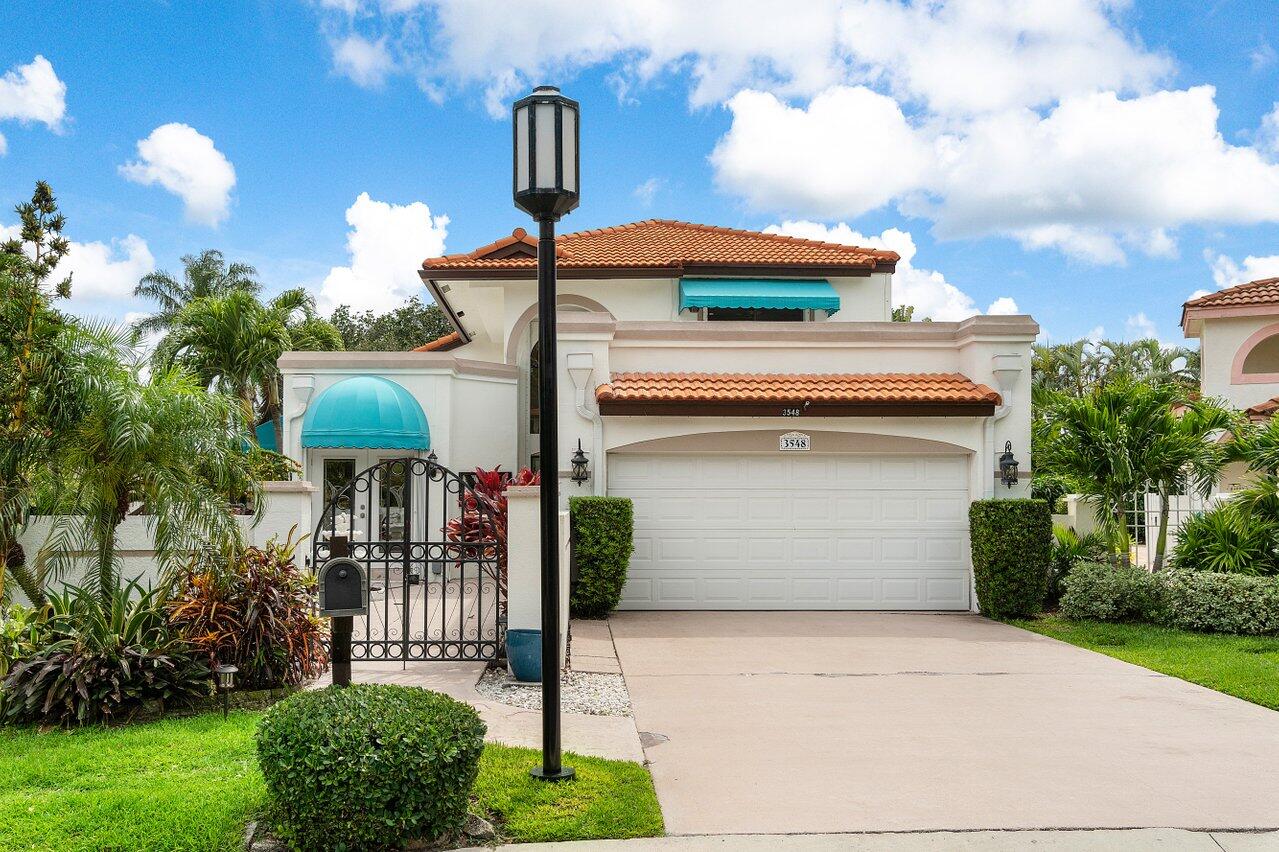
(774, 722)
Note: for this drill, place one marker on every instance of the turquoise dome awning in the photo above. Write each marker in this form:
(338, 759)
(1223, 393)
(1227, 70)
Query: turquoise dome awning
(366, 412)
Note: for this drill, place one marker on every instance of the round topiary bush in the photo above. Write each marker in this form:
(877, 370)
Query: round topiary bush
(368, 766)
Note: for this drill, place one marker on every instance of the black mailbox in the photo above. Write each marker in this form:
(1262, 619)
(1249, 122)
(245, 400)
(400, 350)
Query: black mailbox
(343, 590)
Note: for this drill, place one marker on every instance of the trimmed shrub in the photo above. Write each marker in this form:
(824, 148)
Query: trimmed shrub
(603, 539)
(369, 766)
(1222, 603)
(1095, 591)
(1011, 542)
(1226, 540)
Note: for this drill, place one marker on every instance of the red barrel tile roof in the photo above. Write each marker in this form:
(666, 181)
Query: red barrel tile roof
(1262, 292)
(778, 387)
(664, 244)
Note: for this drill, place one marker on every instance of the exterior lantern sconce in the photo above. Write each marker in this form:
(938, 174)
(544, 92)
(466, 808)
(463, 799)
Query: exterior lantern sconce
(544, 184)
(1008, 466)
(581, 469)
(226, 682)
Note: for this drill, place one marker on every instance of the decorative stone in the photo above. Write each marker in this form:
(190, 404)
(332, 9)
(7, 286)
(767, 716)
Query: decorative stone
(478, 828)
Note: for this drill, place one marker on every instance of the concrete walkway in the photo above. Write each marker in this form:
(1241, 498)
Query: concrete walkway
(1137, 840)
(779, 723)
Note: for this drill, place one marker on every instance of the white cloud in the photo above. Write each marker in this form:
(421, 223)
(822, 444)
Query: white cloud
(366, 62)
(186, 163)
(1004, 305)
(962, 56)
(1268, 134)
(1262, 56)
(1095, 174)
(102, 275)
(1140, 327)
(851, 151)
(387, 244)
(1227, 273)
(32, 93)
(929, 291)
(648, 190)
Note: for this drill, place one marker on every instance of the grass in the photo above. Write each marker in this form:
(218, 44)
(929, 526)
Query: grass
(192, 784)
(1246, 667)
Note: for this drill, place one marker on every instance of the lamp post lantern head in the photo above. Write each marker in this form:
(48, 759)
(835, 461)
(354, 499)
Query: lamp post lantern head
(545, 177)
(226, 676)
(1008, 466)
(581, 470)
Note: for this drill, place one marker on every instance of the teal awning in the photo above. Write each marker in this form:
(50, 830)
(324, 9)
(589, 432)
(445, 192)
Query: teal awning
(265, 435)
(806, 294)
(366, 412)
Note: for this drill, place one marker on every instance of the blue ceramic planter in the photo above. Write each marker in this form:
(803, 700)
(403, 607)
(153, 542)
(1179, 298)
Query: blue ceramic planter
(524, 654)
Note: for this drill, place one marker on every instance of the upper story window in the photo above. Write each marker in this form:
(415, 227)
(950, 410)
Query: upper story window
(1257, 359)
(1263, 358)
(758, 299)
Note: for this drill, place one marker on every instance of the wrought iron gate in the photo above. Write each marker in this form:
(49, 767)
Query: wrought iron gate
(434, 555)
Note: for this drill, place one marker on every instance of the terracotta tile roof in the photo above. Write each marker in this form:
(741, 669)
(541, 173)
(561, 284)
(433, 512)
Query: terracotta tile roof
(848, 388)
(664, 244)
(1263, 410)
(1262, 292)
(444, 342)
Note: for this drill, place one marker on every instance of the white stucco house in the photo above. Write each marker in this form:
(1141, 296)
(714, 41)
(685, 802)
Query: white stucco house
(785, 444)
(1238, 333)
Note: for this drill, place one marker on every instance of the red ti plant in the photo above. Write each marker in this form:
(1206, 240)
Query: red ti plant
(483, 517)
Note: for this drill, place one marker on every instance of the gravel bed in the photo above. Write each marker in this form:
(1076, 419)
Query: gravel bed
(580, 692)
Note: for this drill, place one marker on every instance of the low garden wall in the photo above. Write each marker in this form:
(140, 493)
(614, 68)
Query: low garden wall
(284, 505)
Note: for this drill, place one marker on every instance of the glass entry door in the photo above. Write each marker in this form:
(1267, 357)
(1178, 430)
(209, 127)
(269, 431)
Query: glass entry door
(359, 514)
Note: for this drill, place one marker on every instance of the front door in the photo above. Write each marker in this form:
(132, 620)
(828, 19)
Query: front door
(375, 513)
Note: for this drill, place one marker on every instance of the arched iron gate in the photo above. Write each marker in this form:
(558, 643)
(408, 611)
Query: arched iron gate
(434, 554)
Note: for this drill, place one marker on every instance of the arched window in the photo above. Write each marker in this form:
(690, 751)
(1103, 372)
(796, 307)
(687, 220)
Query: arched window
(1257, 360)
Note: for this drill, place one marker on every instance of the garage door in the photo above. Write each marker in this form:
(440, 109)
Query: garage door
(796, 532)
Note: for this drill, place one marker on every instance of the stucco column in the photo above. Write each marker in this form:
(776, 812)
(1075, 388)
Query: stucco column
(524, 567)
(285, 504)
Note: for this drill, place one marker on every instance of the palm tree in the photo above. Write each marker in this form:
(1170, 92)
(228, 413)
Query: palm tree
(164, 448)
(231, 344)
(203, 275)
(1109, 443)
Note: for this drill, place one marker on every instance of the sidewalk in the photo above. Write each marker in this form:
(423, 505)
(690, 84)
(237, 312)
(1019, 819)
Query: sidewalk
(1135, 840)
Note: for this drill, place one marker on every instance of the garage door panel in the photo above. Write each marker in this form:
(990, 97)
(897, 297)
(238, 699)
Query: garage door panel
(807, 532)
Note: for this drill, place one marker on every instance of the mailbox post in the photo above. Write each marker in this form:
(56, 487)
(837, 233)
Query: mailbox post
(344, 594)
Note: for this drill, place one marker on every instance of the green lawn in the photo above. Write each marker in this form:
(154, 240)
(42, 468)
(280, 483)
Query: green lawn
(192, 784)
(1243, 666)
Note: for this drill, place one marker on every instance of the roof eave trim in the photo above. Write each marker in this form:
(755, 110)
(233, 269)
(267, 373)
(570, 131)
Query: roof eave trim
(449, 313)
(783, 410)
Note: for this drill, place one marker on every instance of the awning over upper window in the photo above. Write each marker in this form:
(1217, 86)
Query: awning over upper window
(366, 412)
(761, 293)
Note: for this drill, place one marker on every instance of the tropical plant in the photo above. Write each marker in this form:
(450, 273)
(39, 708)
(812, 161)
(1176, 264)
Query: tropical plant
(906, 313)
(102, 658)
(21, 635)
(1111, 444)
(254, 611)
(231, 343)
(1228, 539)
(163, 448)
(404, 328)
(1069, 549)
(1080, 367)
(204, 275)
(484, 514)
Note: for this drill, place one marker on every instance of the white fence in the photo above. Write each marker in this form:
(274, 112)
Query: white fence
(284, 504)
(1143, 520)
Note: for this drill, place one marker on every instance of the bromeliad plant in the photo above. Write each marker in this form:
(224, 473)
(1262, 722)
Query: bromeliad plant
(98, 658)
(254, 611)
(483, 517)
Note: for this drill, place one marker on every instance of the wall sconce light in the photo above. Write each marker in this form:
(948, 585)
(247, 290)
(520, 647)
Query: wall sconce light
(1008, 466)
(581, 470)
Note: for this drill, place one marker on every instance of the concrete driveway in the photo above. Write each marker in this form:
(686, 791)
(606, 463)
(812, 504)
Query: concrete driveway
(844, 722)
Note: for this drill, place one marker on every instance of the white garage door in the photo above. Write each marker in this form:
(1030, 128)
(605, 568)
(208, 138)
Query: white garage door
(796, 532)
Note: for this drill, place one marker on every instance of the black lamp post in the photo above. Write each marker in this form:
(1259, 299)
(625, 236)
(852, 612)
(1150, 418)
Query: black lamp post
(1008, 466)
(545, 185)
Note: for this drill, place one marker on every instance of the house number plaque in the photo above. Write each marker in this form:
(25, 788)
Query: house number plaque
(794, 442)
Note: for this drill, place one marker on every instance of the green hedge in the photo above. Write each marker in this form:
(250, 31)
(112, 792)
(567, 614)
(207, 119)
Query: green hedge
(370, 766)
(603, 539)
(1221, 603)
(1096, 591)
(1011, 542)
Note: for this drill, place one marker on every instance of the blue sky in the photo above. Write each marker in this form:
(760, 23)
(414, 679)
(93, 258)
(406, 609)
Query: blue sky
(1065, 155)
